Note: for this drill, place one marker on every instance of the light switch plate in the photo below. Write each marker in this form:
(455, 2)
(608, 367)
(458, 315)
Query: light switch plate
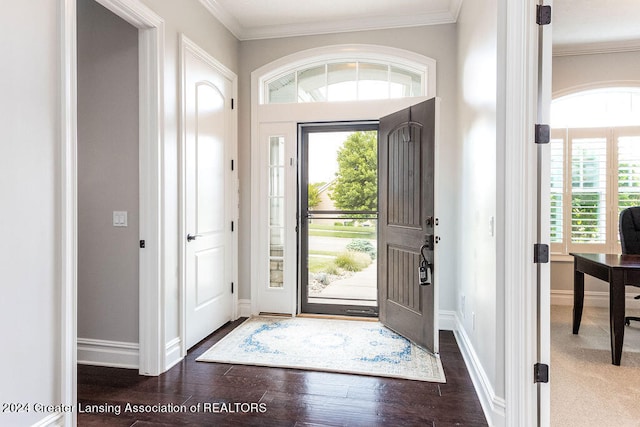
(119, 218)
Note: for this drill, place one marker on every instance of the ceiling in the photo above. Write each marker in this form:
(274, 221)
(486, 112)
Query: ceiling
(577, 24)
(258, 19)
(583, 26)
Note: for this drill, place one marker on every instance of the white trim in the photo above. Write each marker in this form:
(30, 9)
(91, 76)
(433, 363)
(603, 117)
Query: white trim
(173, 353)
(596, 48)
(448, 320)
(232, 213)
(494, 407)
(519, 217)
(594, 86)
(55, 419)
(225, 18)
(593, 298)
(67, 215)
(244, 308)
(114, 354)
(446, 16)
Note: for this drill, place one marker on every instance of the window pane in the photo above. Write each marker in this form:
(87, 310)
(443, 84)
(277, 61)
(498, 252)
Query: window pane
(597, 108)
(341, 79)
(276, 211)
(276, 151)
(588, 183)
(404, 83)
(283, 89)
(312, 84)
(373, 81)
(628, 172)
(557, 161)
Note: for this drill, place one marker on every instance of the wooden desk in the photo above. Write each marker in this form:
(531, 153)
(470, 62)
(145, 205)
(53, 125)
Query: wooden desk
(618, 271)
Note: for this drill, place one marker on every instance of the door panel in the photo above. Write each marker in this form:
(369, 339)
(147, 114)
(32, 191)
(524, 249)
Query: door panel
(208, 253)
(406, 222)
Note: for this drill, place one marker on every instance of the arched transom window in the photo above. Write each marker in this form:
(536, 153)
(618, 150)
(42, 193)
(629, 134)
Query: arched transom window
(348, 76)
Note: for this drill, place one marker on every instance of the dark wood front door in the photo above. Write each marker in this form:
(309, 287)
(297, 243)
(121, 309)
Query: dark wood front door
(406, 222)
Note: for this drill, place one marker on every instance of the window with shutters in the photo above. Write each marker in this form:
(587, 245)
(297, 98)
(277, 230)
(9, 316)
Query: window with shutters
(595, 171)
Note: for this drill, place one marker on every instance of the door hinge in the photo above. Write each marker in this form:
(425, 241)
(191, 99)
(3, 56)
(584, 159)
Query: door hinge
(540, 253)
(142, 244)
(231, 164)
(543, 134)
(543, 15)
(231, 287)
(231, 225)
(232, 103)
(540, 373)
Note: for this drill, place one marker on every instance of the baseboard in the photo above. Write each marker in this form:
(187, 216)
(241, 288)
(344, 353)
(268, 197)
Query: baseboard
(592, 298)
(492, 405)
(173, 353)
(447, 320)
(244, 308)
(55, 419)
(114, 354)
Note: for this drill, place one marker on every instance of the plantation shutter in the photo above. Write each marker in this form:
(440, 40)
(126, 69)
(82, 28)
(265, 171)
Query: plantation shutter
(557, 189)
(588, 188)
(628, 147)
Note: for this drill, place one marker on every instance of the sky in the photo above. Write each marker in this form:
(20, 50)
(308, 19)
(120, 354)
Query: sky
(323, 149)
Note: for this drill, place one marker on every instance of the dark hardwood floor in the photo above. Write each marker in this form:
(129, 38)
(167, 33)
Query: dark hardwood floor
(237, 395)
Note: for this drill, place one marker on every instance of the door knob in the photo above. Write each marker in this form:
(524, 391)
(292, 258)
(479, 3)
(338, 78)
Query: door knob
(191, 237)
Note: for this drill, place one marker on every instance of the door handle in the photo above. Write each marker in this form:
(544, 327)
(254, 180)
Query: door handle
(191, 237)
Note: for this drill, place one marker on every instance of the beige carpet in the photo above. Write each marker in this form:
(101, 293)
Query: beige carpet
(586, 389)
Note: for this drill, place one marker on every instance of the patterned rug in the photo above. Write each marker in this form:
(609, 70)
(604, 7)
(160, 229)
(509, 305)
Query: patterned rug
(348, 346)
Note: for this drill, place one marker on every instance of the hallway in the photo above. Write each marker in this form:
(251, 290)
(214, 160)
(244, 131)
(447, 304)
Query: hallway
(280, 397)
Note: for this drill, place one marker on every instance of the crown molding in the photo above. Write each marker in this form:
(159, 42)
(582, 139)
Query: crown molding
(222, 15)
(448, 16)
(596, 48)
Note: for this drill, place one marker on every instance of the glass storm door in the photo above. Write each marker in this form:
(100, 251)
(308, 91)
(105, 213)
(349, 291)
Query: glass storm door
(338, 218)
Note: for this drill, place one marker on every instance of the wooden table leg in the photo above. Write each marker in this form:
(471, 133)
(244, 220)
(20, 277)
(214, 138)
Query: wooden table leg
(578, 296)
(616, 314)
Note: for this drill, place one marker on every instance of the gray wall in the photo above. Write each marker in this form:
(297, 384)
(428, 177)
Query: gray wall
(579, 72)
(107, 175)
(438, 42)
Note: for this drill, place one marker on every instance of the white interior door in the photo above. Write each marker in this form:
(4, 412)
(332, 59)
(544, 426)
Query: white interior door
(208, 189)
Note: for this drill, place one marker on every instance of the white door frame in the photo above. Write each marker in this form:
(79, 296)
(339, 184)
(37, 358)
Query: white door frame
(518, 94)
(151, 117)
(283, 120)
(231, 202)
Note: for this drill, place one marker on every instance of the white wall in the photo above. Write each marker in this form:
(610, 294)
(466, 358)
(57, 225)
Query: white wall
(481, 316)
(437, 42)
(29, 314)
(580, 72)
(107, 175)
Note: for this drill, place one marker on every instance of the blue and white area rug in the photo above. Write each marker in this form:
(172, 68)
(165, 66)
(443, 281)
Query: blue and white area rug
(348, 346)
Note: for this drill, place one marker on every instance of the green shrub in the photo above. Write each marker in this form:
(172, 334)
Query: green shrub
(353, 261)
(362, 245)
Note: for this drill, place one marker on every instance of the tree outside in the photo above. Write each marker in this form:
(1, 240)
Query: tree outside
(356, 184)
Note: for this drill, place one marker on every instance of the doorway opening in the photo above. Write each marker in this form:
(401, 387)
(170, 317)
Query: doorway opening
(338, 218)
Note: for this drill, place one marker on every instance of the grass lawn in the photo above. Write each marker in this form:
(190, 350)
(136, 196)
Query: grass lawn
(318, 264)
(344, 232)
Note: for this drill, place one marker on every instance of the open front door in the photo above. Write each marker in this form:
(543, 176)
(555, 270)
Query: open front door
(406, 223)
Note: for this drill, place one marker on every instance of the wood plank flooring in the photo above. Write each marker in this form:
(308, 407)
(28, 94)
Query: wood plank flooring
(239, 395)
